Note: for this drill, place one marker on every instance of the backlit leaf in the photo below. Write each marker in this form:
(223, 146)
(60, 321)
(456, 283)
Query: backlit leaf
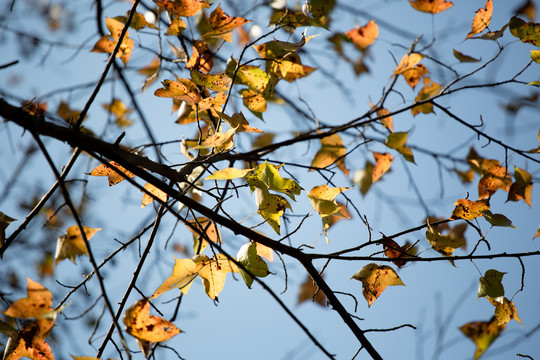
(375, 279)
(238, 122)
(443, 244)
(185, 8)
(481, 19)
(272, 179)
(397, 142)
(497, 219)
(522, 186)
(310, 291)
(483, 333)
(364, 36)
(222, 24)
(228, 174)
(254, 101)
(323, 201)
(331, 152)
(491, 285)
(385, 120)
(219, 82)
(290, 70)
(410, 69)
(183, 89)
(363, 178)
(203, 229)
(147, 199)
(37, 303)
(248, 257)
(108, 42)
(72, 244)
(505, 310)
(494, 177)
(219, 141)
(112, 174)
(120, 112)
(271, 208)
(382, 165)
(28, 343)
(393, 251)
(431, 6)
(469, 210)
(429, 90)
(140, 324)
(138, 21)
(176, 28)
(4, 223)
(527, 32)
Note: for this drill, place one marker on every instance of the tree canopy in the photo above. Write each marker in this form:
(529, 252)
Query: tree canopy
(284, 179)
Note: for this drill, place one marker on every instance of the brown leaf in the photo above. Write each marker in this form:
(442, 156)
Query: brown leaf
(310, 291)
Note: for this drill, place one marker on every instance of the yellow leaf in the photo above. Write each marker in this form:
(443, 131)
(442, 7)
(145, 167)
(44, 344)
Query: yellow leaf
(397, 142)
(469, 210)
(431, 6)
(37, 303)
(331, 152)
(253, 262)
(375, 279)
(254, 101)
(218, 82)
(290, 70)
(203, 229)
(213, 272)
(364, 36)
(228, 174)
(184, 8)
(527, 32)
(429, 90)
(443, 244)
(271, 208)
(481, 19)
(220, 141)
(238, 122)
(222, 24)
(505, 311)
(483, 334)
(114, 176)
(183, 89)
(107, 45)
(522, 186)
(382, 165)
(184, 272)
(72, 244)
(147, 199)
(29, 343)
(141, 325)
(410, 69)
(385, 120)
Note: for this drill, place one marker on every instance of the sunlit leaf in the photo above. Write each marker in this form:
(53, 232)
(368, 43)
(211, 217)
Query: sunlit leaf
(112, 174)
(527, 32)
(238, 122)
(28, 343)
(310, 291)
(410, 69)
(393, 251)
(228, 174)
(37, 303)
(176, 28)
(375, 279)
(494, 177)
(497, 219)
(120, 112)
(272, 179)
(108, 42)
(469, 210)
(72, 244)
(254, 264)
(443, 244)
(429, 90)
(331, 152)
(140, 324)
(147, 199)
(222, 24)
(203, 229)
(431, 6)
(182, 89)
(271, 208)
(505, 310)
(185, 8)
(483, 333)
(219, 141)
(481, 19)
(397, 142)
(138, 21)
(364, 36)
(521, 188)
(382, 165)
(491, 285)
(219, 82)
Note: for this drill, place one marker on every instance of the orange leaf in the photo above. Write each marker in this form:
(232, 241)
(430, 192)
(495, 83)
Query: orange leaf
(364, 36)
(384, 161)
(309, 290)
(431, 6)
(141, 325)
(37, 303)
(375, 279)
(481, 19)
(72, 244)
(114, 177)
(29, 343)
(107, 45)
(222, 24)
(147, 199)
(469, 210)
(410, 69)
(201, 58)
(184, 8)
(494, 177)
(331, 152)
(393, 251)
(521, 188)
(430, 89)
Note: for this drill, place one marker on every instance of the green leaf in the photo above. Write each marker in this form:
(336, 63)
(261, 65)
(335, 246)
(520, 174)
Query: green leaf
(219, 82)
(464, 58)
(527, 32)
(247, 256)
(270, 176)
(397, 142)
(271, 207)
(497, 219)
(491, 285)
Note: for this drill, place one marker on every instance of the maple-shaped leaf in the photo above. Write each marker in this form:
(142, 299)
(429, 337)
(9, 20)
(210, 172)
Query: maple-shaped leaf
(211, 270)
(364, 36)
(72, 244)
(497, 219)
(505, 310)
(151, 71)
(271, 207)
(184, 8)
(120, 111)
(183, 89)
(29, 343)
(4, 223)
(254, 77)
(201, 57)
(37, 303)
(483, 333)
(270, 176)
(323, 201)
(375, 279)
(108, 42)
(222, 24)
(248, 257)
(397, 142)
(491, 285)
(290, 70)
(431, 6)
(410, 69)
(228, 174)
(238, 123)
(481, 19)
(203, 229)
(331, 152)
(522, 186)
(382, 165)
(218, 82)
(469, 210)
(363, 178)
(527, 32)
(138, 21)
(140, 324)
(147, 199)
(254, 101)
(219, 141)
(310, 291)
(443, 244)
(393, 251)
(112, 173)
(464, 58)
(494, 177)
(176, 28)
(429, 90)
